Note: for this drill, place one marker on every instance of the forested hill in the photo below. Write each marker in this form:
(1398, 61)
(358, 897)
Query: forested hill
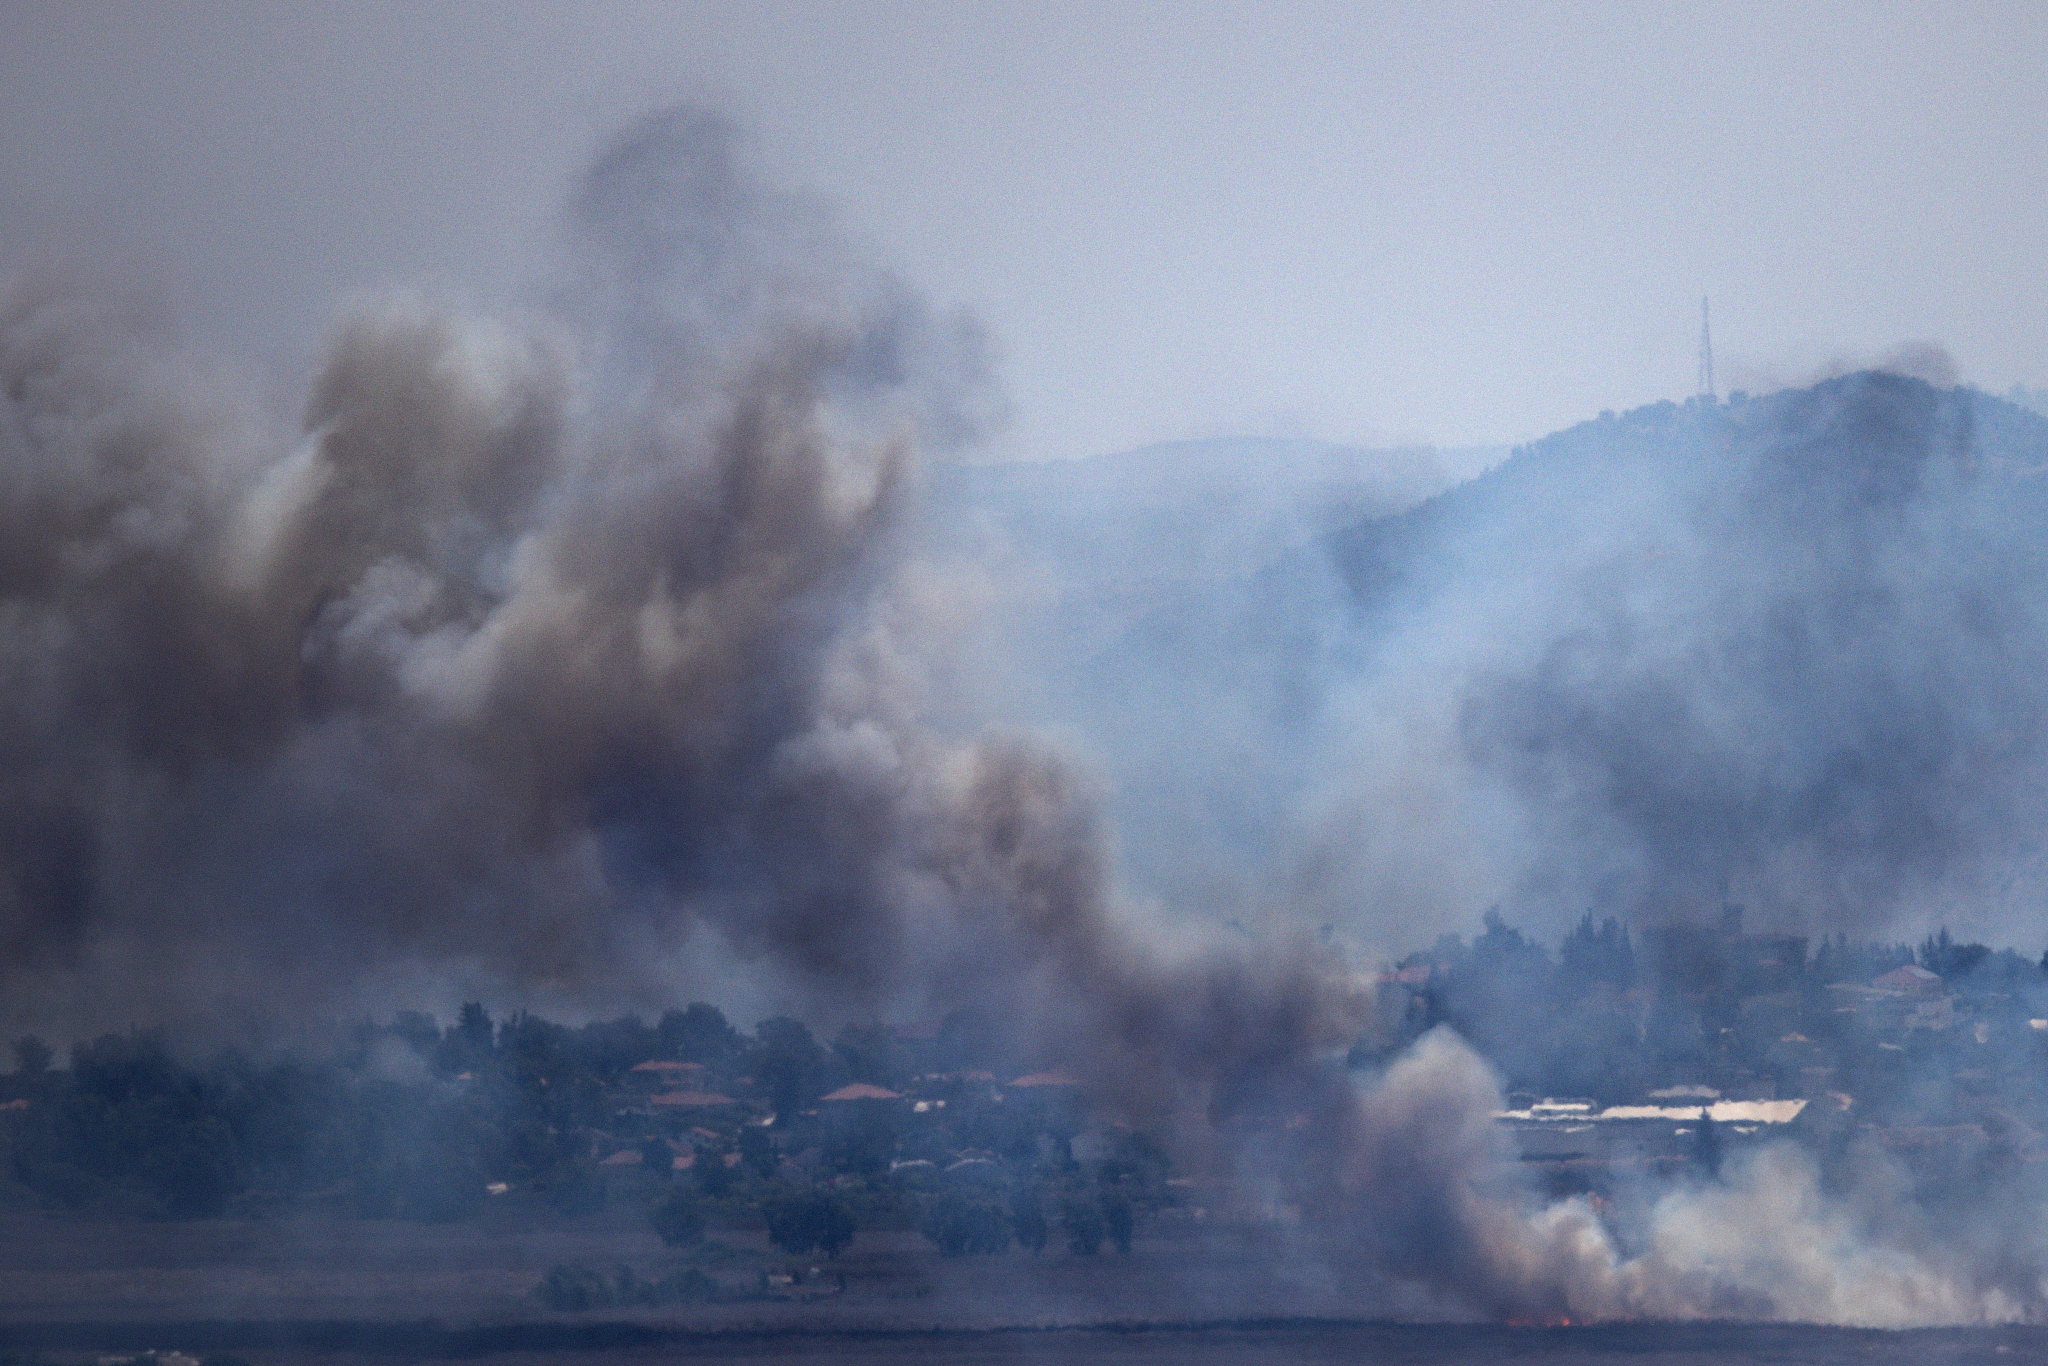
(1845, 441)
(1788, 650)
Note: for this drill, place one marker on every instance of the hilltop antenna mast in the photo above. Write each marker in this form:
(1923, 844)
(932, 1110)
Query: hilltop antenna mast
(1706, 356)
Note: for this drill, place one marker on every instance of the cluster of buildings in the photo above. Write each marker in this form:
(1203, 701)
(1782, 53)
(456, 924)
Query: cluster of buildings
(1736, 1038)
(681, 1115)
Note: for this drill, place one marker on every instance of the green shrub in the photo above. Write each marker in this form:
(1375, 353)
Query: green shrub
(574, 1287)
(1084, 1227)
(685, 1285)
(678, 1220)
(958, 1226)
(799, 1223)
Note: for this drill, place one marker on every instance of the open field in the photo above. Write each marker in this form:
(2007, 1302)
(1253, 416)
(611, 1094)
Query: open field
(359, 1293)
(482, 1272)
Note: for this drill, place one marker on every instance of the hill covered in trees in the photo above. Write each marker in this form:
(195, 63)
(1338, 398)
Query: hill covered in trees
(1788, 651)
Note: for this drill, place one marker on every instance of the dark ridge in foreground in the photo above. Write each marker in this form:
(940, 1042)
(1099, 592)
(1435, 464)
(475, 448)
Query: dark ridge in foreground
(1257, 1339)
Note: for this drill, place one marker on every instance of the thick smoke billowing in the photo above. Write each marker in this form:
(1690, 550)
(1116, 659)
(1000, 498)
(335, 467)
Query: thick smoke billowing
(1785, 653)
(1429, 1188)
(542, 645)
(547, 647)
(544, 649)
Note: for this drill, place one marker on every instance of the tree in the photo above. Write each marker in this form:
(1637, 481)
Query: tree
(834, 1223)
(789, 1064)
(699, 1034)
(960, 1225)
(870, 1054)
(757, 1152)
(1706, 1144)
(1605, 955)
(31, 1056)
(678, 1220)
(799, 1223)
(1084, 1227)
(467, 1044)
(1116, 1215)
(1027, 1218)
(1944, 957)
(714, 1178)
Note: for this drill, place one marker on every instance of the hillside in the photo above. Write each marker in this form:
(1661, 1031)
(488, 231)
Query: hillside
(1839, 433)
(1787, 650)
(1205, 509)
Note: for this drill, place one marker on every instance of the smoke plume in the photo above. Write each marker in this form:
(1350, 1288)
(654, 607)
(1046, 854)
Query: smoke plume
(547, 646)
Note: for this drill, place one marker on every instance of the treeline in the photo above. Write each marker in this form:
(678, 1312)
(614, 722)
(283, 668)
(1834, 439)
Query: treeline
(1614, 1014)
(413, 1120)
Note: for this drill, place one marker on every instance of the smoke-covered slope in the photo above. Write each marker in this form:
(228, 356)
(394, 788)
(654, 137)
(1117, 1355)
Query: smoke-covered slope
(1787, 651)
(1581, 473)
(1162, 608)
(1177, 512)
(542, 653)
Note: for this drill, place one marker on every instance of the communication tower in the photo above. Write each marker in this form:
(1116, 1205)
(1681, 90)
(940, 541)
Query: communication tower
(1706, 356)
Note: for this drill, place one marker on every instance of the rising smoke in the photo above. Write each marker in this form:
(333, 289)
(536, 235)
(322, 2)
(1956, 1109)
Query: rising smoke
(1785, 653)
(549, 646)
(544, 649)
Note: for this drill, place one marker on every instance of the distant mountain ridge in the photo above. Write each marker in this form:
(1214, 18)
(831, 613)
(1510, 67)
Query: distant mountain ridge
(1790, 651)
(1579, 467)
(1206, 509)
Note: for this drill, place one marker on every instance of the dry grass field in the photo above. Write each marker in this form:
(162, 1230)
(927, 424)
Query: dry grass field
(77, 1292)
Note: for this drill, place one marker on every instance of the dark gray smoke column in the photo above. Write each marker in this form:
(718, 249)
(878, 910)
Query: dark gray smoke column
(544, 648)
(542, 644)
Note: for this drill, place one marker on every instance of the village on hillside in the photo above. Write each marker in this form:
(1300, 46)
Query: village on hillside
(1629, 1056)
(1623, 1056)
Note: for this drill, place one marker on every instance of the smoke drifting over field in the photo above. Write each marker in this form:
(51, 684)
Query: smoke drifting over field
(546, 646)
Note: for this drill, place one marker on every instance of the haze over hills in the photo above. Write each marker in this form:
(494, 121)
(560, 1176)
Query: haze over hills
(1161, 608)
(546, 781)
(1783, 650)
(1754, 649)
(1580, 471)
(1207, 508)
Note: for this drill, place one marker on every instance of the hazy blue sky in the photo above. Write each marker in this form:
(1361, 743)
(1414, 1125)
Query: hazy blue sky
(1459, 223)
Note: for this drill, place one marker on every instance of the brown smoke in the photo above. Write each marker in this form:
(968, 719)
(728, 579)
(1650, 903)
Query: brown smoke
(547, 645)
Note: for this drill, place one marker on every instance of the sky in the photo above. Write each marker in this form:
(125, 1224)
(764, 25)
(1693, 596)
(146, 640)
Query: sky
(1458, 224)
